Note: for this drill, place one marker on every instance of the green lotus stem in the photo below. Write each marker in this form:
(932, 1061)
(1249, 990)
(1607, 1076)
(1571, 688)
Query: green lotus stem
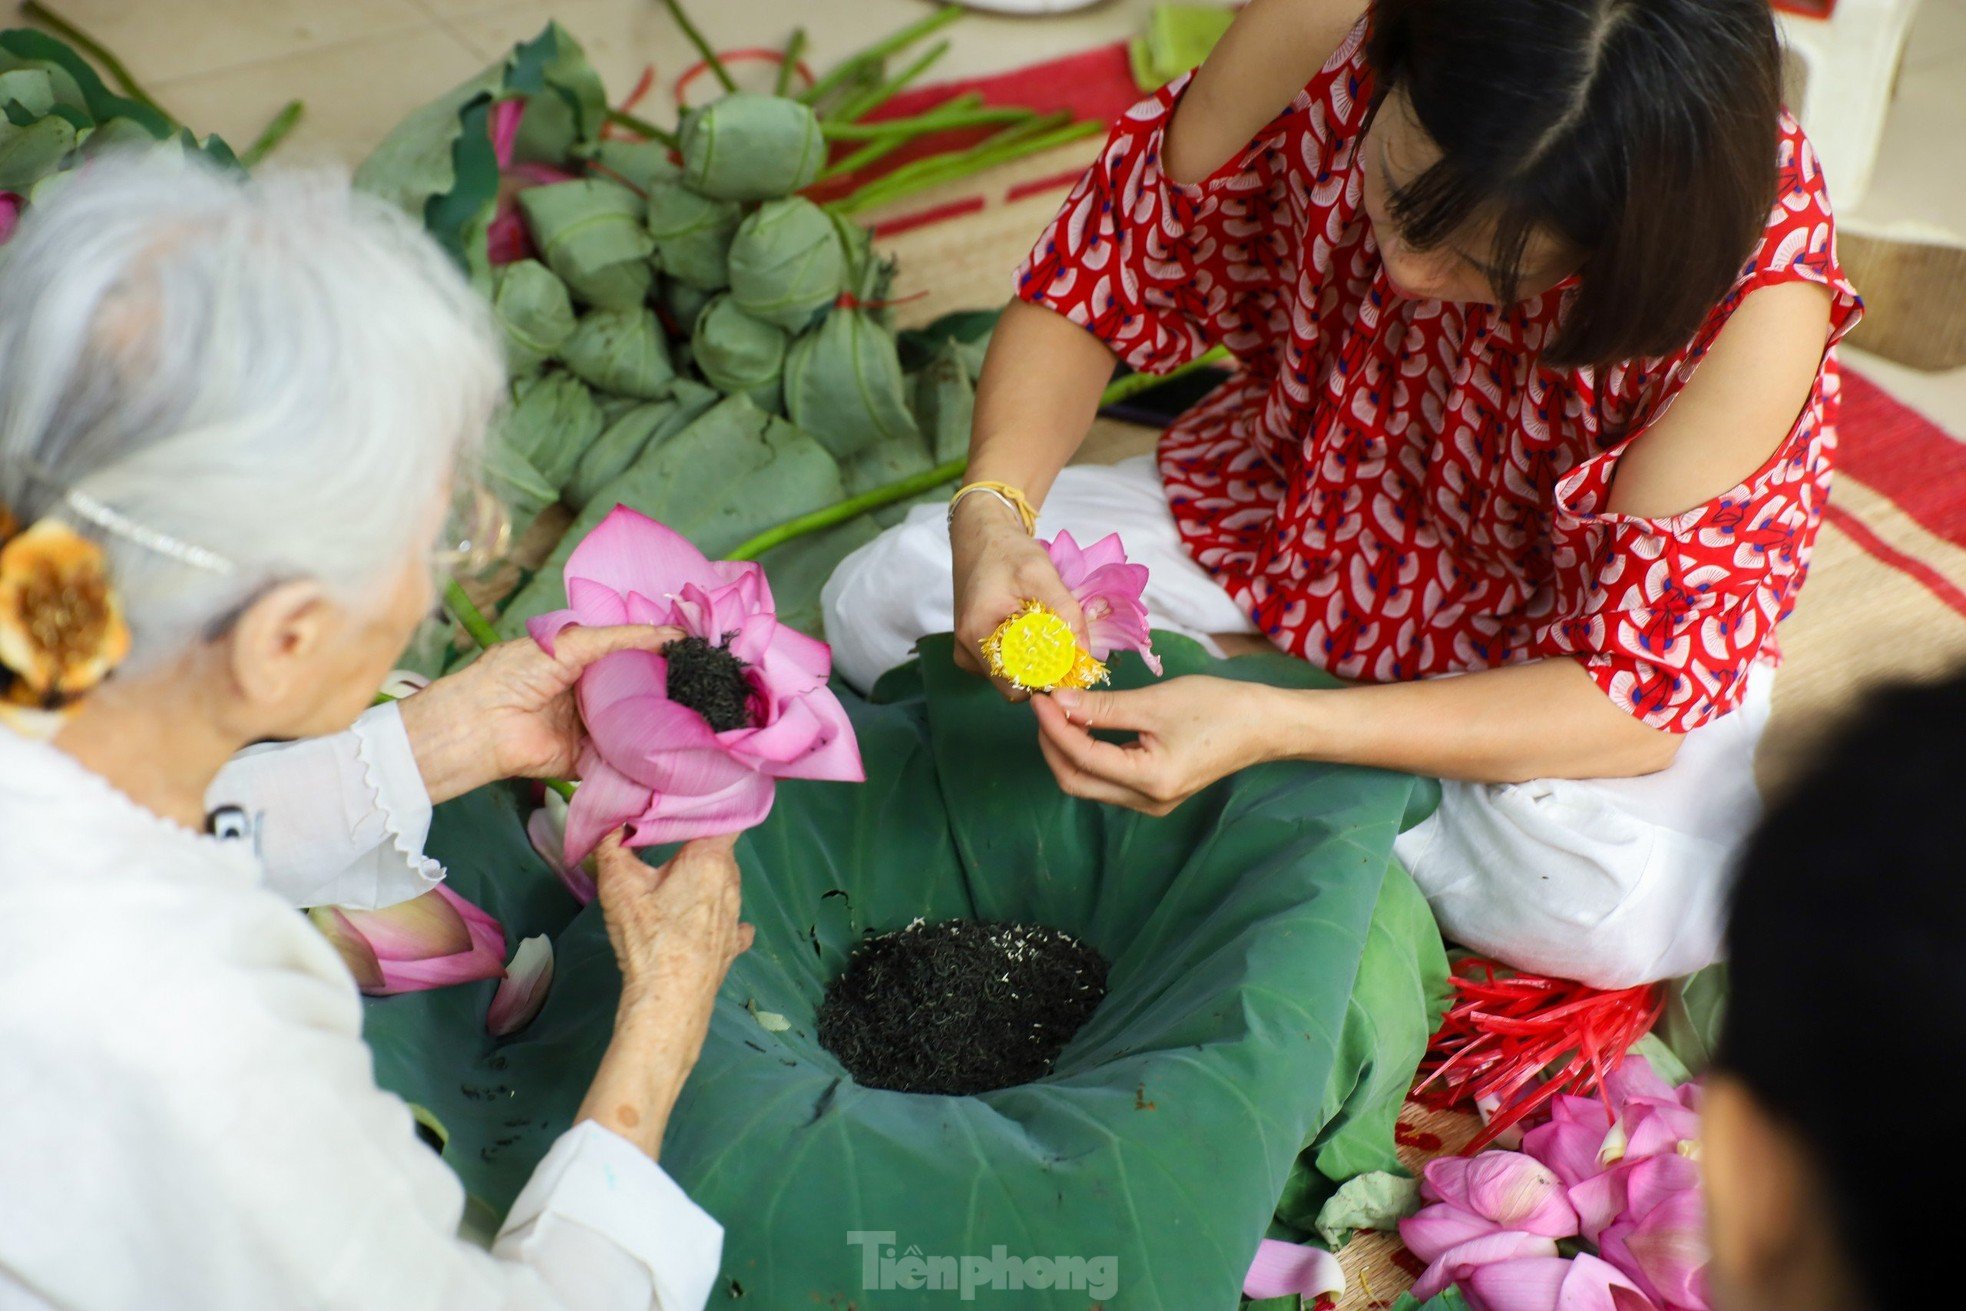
(851, 508)
(861, 158)
(703, 47)
(786, 66)
(886, 143)
(855, 65)
(868, 101)
(1013, 143)
(939, 119)
(37, 12)
(273, 133)
(561, 786)
(643, 126)
(930, 479)
(466, 612)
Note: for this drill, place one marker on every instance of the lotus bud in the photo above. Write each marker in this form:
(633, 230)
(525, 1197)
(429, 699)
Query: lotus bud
(534, 310)
(751, 147)
(591, 233)
(692, 235)
(738, 352)
(431, 941)
(787, 262)
(843, 384)
(620, 351)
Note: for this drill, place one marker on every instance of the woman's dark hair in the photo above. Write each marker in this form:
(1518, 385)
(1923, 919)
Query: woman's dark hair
(1847, 1006)
(1643, 132)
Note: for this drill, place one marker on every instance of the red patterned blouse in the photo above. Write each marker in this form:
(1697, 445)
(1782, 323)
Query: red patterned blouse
(1395, 488)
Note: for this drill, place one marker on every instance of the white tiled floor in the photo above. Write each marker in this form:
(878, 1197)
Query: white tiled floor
(227, 65)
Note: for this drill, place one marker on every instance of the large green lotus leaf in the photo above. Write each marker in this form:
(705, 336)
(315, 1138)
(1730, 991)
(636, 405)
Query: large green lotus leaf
(728, 476)
(31, 151)
(639, 426)
(1246, 931)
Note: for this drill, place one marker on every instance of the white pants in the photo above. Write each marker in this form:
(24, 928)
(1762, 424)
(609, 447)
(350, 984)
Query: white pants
(1612, 882)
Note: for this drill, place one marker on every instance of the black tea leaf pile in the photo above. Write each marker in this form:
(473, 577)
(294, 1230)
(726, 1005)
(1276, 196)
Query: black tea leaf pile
(960, 1007)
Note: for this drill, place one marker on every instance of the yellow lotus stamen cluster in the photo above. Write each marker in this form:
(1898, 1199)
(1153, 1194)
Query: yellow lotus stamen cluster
(1035, 650)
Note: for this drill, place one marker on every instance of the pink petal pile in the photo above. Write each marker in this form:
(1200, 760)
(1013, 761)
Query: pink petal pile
(656, 766)
(1619, 1172)
(1109, 591)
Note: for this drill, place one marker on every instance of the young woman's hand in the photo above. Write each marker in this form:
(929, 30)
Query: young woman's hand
(1191, 732)
(511, 713)
(998, 567)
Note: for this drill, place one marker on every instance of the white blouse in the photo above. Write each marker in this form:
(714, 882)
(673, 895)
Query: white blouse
(188, 1115)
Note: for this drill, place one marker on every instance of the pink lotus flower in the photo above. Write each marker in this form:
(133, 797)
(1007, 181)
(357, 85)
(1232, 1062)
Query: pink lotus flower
(692, 741)
(546, 828)
(431, 941)
(10, 207)
(1661, 1239)
(523, 991)
(1497, 1206)
(1108, 590)
(1552, 1283)
(1458, 1263)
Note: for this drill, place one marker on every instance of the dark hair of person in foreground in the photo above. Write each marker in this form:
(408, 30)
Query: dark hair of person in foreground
(1827, 1143)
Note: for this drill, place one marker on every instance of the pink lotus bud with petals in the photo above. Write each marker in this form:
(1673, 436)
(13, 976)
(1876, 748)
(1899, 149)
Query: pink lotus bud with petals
(1109, 591)
(523, 991)
(1455, 1264)
(546, 829)
(431, 941)
(1572, 1147)
(690, 741)
(1508, 1189)
(1552, 1283)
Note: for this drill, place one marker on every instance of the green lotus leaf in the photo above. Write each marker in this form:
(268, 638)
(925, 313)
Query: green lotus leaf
(77, 87)
(729, 475)
(551, 423)
(590, 232)
(1247, 932)
(522, 488)
(751, 147)
(631, 432)
(737, 352)
(620, 351)
(32, 150)
(787, 262)
(692, 235)
(31, 89)
(533, 309)
(843, 383)
(886, 462)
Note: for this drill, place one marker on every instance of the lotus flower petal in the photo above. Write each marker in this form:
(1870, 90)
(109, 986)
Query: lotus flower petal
(1454, 1265)
(677, 818)
(1658, 1127)
(606, 800)
(484, 959)
(546, 829)
(1599, 1200)
(630, 552)
(503, 124)
(403, 682)
(417, 929)
(1520, 1192)
(1652, 1182)
(10, 207)
(523, 990)
(1665, 1252)
(1292, 1269)
(1549, 1283)
(1440, 1228)
(353, 949)
(1635, 1078)
(1569, 1148)
(1108, 591)
(659, 744)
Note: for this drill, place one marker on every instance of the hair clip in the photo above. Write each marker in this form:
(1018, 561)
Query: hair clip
(117, 524)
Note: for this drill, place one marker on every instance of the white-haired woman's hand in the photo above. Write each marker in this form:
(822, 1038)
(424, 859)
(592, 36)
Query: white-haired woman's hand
(511, 713)
(675, 933)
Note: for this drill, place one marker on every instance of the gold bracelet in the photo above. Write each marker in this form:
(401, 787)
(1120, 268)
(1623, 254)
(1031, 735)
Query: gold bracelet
(1010, 496)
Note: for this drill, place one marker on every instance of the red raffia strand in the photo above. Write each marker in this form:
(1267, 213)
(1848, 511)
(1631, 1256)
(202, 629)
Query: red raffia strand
(1506, 1030)
(848, 301)
(754, 54)
(635, 97)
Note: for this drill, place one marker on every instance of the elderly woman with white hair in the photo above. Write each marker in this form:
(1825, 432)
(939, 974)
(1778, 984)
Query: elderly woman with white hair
(238, 412)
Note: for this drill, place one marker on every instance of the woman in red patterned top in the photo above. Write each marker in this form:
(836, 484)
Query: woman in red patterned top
(1534, 302)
